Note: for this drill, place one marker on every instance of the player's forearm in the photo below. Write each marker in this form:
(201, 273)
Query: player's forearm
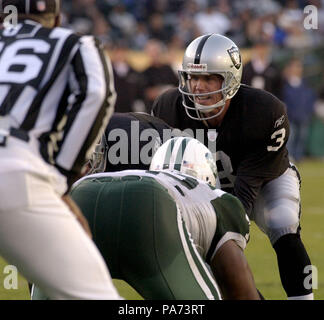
(233, 274)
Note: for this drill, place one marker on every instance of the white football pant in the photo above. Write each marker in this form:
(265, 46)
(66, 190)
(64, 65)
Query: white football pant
(40, 236)
(277, 208)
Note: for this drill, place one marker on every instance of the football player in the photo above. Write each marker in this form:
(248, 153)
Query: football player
(251, 129)
(157, 229)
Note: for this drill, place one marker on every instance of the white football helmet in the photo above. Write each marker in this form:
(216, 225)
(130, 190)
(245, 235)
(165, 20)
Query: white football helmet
(186, 155)
(206, 55)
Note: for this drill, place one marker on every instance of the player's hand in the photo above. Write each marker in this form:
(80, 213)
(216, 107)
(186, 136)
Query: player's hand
(78, 214)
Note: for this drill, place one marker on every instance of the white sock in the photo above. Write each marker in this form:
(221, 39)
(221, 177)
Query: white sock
(306, 297)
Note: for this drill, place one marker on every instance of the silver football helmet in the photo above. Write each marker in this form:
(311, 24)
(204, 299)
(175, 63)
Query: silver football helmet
(186, 155)
(206, 55)
(98, 160)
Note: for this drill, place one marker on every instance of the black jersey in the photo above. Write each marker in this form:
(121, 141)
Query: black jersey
(251, 141)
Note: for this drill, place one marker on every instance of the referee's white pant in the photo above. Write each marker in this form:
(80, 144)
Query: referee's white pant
(39, 234)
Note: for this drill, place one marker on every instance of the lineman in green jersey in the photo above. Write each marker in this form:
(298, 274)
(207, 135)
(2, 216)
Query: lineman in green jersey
(163, 231)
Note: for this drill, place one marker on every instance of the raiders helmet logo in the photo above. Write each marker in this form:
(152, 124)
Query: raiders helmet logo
(234, 53)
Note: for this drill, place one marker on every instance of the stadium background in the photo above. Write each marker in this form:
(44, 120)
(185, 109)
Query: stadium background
(126, 27)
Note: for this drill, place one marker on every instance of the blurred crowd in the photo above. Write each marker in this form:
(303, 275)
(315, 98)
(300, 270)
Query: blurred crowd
(177, 22)
(282, 55)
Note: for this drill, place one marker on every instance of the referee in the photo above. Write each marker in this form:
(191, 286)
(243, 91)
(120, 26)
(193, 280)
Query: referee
(56, 96)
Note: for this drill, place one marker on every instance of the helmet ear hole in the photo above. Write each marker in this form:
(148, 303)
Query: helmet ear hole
(188, 156)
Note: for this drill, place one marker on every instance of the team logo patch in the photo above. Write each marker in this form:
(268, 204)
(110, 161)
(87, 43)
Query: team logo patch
(234, 53)
(279, 122)
(192, 67)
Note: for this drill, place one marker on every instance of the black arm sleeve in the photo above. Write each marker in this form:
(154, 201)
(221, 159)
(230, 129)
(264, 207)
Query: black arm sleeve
(247, 190)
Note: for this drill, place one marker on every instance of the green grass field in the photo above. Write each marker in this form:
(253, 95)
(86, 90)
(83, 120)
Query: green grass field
(260, 255)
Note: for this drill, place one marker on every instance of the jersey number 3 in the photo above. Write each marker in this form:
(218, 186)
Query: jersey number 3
(279, 137)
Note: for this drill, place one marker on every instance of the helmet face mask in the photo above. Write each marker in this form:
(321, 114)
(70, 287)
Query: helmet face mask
(210, 55)
(188, 156)
(97, 162)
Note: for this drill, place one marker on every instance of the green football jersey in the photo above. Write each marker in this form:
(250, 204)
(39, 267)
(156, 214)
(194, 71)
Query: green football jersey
(211, 215)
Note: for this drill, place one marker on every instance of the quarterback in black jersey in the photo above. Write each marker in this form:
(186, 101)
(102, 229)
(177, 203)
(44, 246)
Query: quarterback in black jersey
(247, 130)
(244, 138)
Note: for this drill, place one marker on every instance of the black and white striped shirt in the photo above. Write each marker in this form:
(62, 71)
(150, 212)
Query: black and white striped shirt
(58, 87)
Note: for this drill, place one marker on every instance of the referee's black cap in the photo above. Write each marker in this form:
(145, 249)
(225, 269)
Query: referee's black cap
(32, 6)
